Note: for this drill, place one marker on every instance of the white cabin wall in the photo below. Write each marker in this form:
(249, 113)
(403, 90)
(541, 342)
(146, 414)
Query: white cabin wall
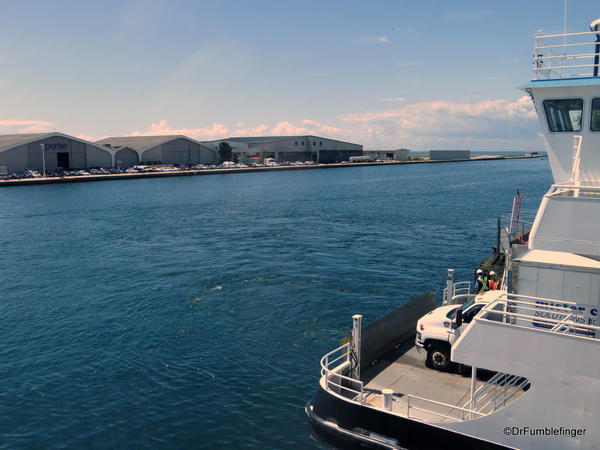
(560, 144)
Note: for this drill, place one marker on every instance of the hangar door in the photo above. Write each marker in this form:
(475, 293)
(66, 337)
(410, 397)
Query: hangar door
(126, 157)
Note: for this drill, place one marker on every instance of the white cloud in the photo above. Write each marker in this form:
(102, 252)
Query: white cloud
(25, 126)
(162, 127)
(382, 39)
(286, 128)
(217, 130)
(490, 124)
(496, 109)
(438, 122)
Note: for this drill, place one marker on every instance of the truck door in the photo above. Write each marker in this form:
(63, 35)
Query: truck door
(467, 318)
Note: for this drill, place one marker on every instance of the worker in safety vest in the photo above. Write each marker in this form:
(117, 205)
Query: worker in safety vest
(493, 282)
(481, 285)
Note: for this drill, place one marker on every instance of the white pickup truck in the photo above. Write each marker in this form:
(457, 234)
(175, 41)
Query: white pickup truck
(440, 328)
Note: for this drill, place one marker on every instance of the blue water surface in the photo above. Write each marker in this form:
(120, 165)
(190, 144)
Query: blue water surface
(191, 312)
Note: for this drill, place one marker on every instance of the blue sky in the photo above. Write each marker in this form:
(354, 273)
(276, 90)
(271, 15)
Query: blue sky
(386, 74)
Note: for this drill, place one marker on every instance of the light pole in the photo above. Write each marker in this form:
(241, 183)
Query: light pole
(43, 146)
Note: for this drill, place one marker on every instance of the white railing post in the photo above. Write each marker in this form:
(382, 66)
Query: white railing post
(356, 344)
(449, 287)
(387, 399)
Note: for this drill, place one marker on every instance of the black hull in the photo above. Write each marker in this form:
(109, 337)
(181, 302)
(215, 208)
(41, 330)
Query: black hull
(390, 431)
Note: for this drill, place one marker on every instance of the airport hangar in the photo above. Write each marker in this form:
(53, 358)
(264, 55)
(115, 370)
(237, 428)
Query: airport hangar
(291, 148)
(170, 149)
(32, 151)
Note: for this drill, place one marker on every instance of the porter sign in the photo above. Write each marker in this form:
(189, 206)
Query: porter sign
(55, 146)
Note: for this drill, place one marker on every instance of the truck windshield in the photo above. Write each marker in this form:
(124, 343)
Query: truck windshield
(450, 314)
(467, 304)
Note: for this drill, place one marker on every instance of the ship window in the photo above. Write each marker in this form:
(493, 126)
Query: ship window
(564, 115)
(595, 114)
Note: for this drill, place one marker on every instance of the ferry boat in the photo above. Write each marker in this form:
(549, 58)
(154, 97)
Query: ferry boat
(534, 349)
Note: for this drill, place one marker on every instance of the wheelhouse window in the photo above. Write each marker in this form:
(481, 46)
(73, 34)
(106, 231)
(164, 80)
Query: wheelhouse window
(595, 122)
(564, 115)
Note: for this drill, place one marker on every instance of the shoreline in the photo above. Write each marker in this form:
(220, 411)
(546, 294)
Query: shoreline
(192, 172)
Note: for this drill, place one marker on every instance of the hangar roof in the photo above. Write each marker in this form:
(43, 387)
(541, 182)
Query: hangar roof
(137, 142)
(141, 142)
(263, 139)
(9, 141)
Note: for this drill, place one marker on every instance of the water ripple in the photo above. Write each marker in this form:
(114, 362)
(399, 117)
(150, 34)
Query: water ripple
(191, 312)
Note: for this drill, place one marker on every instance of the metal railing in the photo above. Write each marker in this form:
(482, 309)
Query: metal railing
(333, 366)
(512, 232)
(458, 288)
(496, 393)
(569, 190)
(454, 413)
(338, 361)
(541, 314)
(567, 55)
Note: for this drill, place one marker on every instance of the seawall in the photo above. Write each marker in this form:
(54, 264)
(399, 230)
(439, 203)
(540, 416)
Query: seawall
(181, 173)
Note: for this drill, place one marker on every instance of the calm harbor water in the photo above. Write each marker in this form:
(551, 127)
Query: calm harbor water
(192, 312)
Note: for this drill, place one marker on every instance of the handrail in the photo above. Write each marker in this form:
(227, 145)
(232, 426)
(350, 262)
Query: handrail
(568, 320)
(458, 288)
(568, 186)
(462, 287)
(554, 47)
(462, 410)
(497, 391)
(335, 380)
(578, 33)
(329, 372)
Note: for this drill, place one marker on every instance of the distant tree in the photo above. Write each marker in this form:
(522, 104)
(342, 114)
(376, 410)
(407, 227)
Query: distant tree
(225, 151)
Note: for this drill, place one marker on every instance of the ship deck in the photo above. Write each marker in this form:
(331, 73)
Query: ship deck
(405, 372)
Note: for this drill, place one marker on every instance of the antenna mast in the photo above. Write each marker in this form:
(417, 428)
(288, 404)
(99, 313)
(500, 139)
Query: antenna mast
(565, 31)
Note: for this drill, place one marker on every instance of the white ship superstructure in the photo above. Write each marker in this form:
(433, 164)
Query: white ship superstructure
(540, 339)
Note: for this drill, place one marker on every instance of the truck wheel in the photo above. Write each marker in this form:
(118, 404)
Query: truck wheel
(438, 357)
